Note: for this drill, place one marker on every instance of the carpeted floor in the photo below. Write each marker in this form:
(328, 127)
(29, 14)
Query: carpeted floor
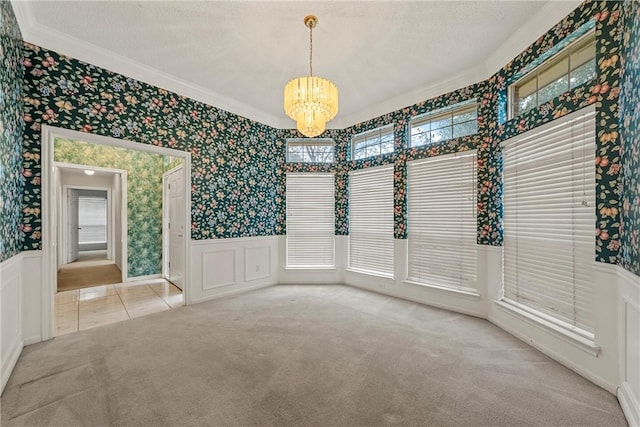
(79, 275)
(303, 356)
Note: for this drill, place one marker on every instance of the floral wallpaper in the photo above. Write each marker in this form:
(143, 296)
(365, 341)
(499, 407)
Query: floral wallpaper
(630, 137)
(11, 128)
(239, 165)
(493, 127)
(234, 159)
(144, 197)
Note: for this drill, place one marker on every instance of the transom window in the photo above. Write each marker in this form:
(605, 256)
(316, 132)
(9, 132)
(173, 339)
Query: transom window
(372, 142)
(310, 150)
(445, 123)
(572, 67)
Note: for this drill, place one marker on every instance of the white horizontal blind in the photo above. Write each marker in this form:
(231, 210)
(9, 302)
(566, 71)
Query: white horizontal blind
(371, 220)
(92, 219)
(441, 194)
(549, 218)
(310, 220)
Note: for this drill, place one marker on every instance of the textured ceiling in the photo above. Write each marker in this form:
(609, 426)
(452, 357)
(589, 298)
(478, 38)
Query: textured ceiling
(379, 54)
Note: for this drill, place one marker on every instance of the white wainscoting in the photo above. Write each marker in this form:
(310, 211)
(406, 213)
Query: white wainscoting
(310, 276)
(10, 315)
(33, 308)
(462, 302)
(600, 368)
(629, 342)
(223, 267)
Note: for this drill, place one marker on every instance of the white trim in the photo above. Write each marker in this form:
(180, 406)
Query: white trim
(629, 405)
(49, 38)
(310, 268)
(369, 273)
(10, 354)
(610, 387)
(231, 293)
(141, 278)
(573, 338)
(231, 240)
(466, 292)
(48, 201)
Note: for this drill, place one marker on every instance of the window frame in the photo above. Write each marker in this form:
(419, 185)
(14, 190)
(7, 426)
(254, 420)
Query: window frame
(365, 230)
(310, 142)
(564, 53)
(448, 112)
(364, 136)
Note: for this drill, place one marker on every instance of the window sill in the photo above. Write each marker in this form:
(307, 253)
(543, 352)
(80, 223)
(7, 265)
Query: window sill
(467, 292)
(574, 338)
(309, 268)
(369, 273)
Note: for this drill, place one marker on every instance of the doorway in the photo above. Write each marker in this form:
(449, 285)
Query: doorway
(173, 226)
(134, 287)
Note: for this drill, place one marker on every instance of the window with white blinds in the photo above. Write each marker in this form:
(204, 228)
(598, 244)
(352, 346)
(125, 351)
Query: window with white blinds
(371, 220)
(441, 195)
(549, 218)
(310, 220)
(92, 219)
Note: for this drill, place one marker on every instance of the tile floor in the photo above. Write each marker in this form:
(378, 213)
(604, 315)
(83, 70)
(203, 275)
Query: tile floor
(90, 307)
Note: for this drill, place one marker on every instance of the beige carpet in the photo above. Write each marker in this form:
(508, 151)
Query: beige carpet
(299, 356)
(79, 275)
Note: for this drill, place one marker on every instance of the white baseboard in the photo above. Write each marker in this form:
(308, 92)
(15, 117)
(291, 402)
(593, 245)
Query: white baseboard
(232, 292)
(10, 362)
(147, 277)
(629, 405)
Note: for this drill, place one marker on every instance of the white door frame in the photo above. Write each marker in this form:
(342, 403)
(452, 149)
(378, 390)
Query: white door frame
(111, 235)
(165, 222)
(49, 221)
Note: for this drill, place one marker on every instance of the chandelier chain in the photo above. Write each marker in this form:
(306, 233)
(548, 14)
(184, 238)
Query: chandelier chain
(311, 50)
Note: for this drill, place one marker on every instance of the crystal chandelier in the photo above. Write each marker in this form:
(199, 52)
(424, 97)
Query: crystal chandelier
(310, 100)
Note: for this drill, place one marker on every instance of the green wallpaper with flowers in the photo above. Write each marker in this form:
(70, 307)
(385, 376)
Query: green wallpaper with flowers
(234, 159)
(11, 128)
(238, 165)
(493, 128)
(144, 197)
(630, 137)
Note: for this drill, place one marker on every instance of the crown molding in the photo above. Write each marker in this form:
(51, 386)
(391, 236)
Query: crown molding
(545, 19)
(48, 38)
(41, 35)
(457, 81)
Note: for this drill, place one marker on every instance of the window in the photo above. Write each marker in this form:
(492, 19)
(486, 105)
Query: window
(310, 220)
(372, 143)
(441, 195)
(92, 220)
(371, 220)
(573, 66)
(445, 123)
(310, 150)
(549, 215)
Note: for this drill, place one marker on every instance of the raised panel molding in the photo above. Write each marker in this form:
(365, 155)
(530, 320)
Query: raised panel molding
(10, 316)
(629, 345)
(218, 269)
(257, 263)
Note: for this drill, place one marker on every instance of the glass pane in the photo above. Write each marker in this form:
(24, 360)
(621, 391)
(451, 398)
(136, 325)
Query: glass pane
(526, 104)
(420, 135)
(441, 122)
(553, 72)
(441, 134)
(359, 153)
(465, 116)
(583, 73)
(463, 129)
(526, 88)
(373, 150)
(386, 147)
(583, 52)
(552, 90)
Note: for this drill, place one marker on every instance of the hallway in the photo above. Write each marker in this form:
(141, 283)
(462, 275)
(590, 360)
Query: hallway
(92, 268)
